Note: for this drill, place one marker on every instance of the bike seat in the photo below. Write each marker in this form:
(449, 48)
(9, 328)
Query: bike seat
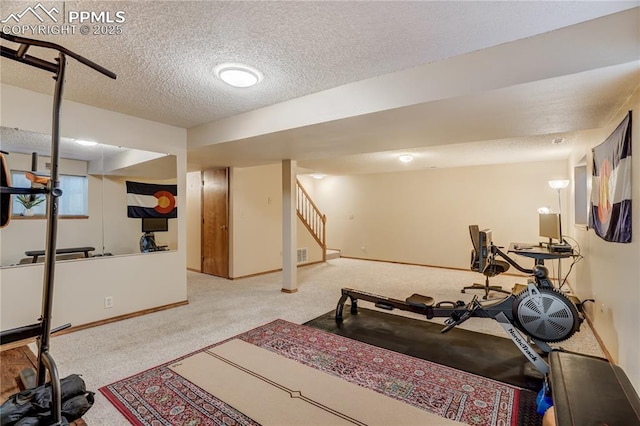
(419, 300)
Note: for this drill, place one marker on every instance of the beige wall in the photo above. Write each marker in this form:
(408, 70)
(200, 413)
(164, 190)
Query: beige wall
(610, 272)
(136, 282)
(256, 210)
(422, 217)
(255, 223)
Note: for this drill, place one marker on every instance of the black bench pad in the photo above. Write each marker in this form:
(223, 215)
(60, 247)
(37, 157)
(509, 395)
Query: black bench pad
(591, 391)
(419, 300)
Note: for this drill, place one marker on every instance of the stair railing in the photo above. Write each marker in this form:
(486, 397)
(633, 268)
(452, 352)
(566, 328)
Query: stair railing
(311, 217)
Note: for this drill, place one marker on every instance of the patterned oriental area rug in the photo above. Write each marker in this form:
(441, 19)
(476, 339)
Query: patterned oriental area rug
(161, 396)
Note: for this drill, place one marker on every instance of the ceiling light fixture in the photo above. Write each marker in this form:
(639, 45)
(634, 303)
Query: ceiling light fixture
(317, 175)
(85, 143)
(238, 75)
(406, 158)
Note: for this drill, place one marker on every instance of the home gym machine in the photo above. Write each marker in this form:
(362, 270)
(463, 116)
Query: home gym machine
(50, 186)
(540, 312)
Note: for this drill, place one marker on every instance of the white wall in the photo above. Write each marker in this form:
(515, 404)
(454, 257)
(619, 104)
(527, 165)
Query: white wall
(610, 272)
(256, 230)
(423, 216)
(136, 282)
(80, 287)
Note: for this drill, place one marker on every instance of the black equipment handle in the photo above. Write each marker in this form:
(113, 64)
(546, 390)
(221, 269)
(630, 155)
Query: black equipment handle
(26, 332)
(457, 318)
(511, 261)
(21, 56)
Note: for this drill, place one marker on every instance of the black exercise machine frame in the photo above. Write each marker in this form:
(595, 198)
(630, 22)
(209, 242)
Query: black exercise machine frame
(502, 310)
(42, 329)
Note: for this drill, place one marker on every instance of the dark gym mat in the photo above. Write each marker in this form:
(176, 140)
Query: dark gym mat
(482, 354)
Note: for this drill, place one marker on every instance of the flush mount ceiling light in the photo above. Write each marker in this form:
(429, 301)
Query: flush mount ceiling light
(317, 175)
(406, 158)
(85, 143)
(238, 75)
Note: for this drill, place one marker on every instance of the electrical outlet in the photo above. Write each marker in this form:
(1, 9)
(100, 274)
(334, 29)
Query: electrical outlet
(108, 302)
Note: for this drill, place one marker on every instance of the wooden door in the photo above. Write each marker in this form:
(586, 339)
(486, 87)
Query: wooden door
(215, 222)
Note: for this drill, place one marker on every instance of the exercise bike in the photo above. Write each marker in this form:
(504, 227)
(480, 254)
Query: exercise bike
(539, 313)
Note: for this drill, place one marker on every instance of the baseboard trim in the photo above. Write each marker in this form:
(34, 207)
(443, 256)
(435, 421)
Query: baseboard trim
(72, 329)
(257, 274)
(426, 265)
(123, 317)
(603, 347)
(451, 268)
(607, 354)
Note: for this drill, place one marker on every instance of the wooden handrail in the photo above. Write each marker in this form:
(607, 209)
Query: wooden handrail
(311, 217)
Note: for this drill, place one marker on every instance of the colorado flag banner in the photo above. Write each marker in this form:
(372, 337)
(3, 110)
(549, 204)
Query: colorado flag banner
(611, 186)
(151, 200)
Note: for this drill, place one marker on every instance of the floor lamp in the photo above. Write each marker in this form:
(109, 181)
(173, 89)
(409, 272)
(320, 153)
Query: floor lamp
(559, 185)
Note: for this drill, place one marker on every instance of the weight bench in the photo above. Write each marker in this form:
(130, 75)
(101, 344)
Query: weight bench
(34, 254)
(588, 390)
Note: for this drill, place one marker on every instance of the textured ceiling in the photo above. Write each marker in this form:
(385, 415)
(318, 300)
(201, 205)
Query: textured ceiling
(167, 51)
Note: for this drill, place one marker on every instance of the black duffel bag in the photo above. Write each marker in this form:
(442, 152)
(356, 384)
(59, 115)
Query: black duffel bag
(33, 406)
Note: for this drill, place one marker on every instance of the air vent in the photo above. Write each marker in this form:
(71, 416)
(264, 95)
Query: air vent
(302, 255)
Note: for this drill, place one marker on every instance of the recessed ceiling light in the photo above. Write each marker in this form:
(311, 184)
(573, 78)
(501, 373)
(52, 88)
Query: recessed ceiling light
(238, 75)
(406, 158)
(85, 143)
(317, 175)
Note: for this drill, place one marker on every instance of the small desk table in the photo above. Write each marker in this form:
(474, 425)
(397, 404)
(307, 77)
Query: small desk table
(37, 253)
(540, 253)
(537, 252)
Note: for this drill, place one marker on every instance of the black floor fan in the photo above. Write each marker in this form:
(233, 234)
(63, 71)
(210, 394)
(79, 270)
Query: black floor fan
(42, 329)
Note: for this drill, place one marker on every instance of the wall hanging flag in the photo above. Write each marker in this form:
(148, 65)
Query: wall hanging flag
(151, 200)
(611, 186)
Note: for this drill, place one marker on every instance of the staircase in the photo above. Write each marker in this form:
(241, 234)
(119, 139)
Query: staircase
(311, 217)
(333, 254)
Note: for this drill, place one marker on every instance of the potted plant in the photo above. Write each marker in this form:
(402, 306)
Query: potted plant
(29, 202)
